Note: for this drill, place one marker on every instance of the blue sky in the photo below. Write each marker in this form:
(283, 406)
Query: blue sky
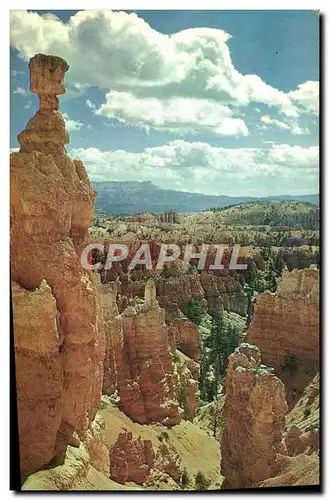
(219, 102)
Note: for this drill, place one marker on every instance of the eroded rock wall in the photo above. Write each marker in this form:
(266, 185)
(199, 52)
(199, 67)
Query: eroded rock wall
(254, 410)
(218, 291)
(285, 326)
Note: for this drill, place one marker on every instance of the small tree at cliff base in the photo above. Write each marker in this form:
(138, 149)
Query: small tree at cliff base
(201, 482)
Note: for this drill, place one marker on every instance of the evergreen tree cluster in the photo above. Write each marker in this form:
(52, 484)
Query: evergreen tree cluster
(220, 343)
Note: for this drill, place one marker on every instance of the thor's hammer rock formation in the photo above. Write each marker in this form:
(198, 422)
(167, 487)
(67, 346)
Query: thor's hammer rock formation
(58, 324)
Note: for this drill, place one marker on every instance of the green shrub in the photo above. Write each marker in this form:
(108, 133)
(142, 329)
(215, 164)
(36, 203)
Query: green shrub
(291, 363)
(193, 310)
(185, 479)
(176, 358)
(201, 482)
(163, 436)
(307, 412)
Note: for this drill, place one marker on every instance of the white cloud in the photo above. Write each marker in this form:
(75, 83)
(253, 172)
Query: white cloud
(199, 167)
(277, 123)
(71, 125)
(176, 114)
(306, 97)
(121, 51)
(298, 130)
(90, 104)
(28, 105)
(20, 90)
(295, 156)
(16, 72)
(291, 125)
(81, 86)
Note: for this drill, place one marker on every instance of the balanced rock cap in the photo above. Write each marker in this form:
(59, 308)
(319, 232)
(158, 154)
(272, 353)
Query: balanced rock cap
(47, 74)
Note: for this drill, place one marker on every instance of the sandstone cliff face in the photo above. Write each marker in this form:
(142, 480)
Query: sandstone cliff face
(131, 459)
(226, 291)
(58, 325)
(300, 258)
(39, 396)
(254, 410)
(285, 326)
(219, 292)
(139, 360)
(302, 430)
(186, 338)
(115, 367)
(302, 440)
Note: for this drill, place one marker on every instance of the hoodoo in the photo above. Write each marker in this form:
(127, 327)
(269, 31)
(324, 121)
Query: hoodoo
(58, 324)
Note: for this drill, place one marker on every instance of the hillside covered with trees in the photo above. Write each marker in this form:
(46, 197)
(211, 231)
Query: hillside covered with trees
(272, 213)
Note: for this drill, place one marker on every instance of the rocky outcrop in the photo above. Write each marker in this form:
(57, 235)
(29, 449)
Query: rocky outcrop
(303, 422)
(139, 360)
(143, 217)
(131, 459)
(170, 216)
(218, 291)
(58, 324)
(285, 326)
(186, 337)
(300, 258)
(115, 367)
(225, 292)
(168, 461)
(148, 395)
(300, 470)
(254, 410)
(39, 374)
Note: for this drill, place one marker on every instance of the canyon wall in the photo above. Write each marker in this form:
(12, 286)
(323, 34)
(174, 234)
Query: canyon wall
(285, 326)
(58, 323)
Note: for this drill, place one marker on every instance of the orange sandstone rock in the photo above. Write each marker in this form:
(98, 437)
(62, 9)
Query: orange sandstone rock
(286, 325)
(187, 338)
(51, 207)
(255, 409)
(131, 459)
(139, 362)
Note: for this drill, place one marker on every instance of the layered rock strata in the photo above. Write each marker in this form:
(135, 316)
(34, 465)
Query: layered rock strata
(285, 326)
(216, 292)
(58, 324)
